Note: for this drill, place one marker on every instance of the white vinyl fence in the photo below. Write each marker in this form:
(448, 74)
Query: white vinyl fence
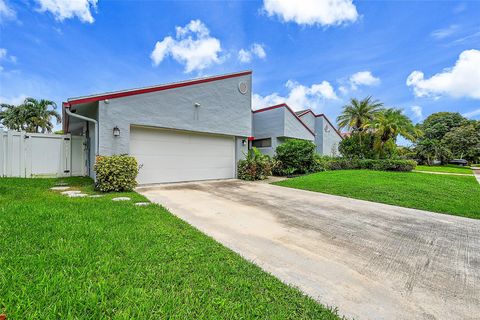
(30, 155)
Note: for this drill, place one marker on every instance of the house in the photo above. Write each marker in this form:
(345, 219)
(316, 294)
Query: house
(190, 130)
(272, 125)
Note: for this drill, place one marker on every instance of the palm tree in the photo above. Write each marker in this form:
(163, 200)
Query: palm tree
(357, 115)
(32, 115)
(13, 117)
(388, 125)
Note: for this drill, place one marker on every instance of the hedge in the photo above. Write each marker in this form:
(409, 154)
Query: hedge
(369, 164)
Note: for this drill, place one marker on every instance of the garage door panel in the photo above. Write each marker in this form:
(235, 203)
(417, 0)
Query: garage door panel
(172, 156)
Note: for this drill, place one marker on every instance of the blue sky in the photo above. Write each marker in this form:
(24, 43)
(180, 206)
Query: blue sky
(423, 57)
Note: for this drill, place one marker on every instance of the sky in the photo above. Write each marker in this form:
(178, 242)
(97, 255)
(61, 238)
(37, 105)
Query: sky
(420, 56)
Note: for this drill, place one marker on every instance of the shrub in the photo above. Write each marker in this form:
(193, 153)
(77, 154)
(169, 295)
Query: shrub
(294, 157)
(116, 173)
(358, 146)
(256, 166)
(379, 165)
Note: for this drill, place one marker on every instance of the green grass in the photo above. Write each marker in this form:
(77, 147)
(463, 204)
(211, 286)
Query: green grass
(93, 258)
(455, 195)
(445, 168)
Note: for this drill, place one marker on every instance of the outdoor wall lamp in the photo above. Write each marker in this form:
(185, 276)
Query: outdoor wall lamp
(116, 131)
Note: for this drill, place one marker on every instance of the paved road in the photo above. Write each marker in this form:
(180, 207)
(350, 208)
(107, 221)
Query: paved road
(370, 260)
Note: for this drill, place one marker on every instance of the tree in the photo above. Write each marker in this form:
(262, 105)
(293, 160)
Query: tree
(357, 115)
(464, 141)
(387, 126)
(13, 117)
(32, 115)
(436, 125)
(429, 150)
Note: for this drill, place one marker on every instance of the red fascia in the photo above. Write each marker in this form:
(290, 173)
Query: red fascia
(322, 115)
(152, 89)
(305, 112)
(289, 109)
(251, 138)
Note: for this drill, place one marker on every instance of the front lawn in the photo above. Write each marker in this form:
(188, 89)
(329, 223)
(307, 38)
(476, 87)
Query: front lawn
(456, 195)
(93, 258)
(446, 168)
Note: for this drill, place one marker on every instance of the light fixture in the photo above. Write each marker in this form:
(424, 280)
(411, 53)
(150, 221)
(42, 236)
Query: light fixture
(197, 104)
(116, 131)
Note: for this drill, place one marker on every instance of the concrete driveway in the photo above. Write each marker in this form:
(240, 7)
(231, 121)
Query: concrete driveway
(370, 260)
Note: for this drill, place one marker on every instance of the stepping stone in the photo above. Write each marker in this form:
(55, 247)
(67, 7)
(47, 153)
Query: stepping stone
(71, 192)
(121, 199)
(141, 204)
(59, 188)
(78, 195)
(96, 196)
(61, 184)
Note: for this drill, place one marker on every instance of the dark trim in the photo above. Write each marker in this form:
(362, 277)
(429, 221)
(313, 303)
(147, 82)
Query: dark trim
(120, 94)
(289, 109)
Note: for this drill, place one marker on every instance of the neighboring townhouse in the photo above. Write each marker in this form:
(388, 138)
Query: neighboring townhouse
(327, 137)
(184, 131)
(272, 125)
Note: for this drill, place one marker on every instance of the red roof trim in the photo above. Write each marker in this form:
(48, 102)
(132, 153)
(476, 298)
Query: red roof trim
(121, 94)
(305, 112)
(289, 109)
(324, 116)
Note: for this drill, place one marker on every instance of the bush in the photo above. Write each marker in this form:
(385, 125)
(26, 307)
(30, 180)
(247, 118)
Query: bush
(294, 157)
(256, 166)
(369, 164)
(116, 173)
(358, 146)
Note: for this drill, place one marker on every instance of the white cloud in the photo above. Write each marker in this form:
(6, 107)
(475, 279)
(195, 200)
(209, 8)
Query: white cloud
(472, 113)
(6, 12)
(66, 9)
(363, 78)
(13, 100)
(417, 112)
(5, 57)
(312, 12)
(299, 96)
(193, 47)
(255, 50)
(462, 80)
(445, 32)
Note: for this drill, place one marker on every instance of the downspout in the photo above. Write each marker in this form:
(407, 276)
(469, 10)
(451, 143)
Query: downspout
(95, 122)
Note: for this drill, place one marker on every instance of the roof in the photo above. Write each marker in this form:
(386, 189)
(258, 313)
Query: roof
(131, 92)
(284, 105)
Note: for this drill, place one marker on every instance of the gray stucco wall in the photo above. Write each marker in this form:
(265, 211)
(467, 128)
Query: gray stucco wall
(294, 128)
(223, 110)
(327, 141)
(278, 123)
(309, 120)
(268, 123)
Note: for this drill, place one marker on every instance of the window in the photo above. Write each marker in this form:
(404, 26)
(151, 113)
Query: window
(262, 143)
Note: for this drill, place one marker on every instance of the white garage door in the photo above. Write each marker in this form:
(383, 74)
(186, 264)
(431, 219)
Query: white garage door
(173, 156)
